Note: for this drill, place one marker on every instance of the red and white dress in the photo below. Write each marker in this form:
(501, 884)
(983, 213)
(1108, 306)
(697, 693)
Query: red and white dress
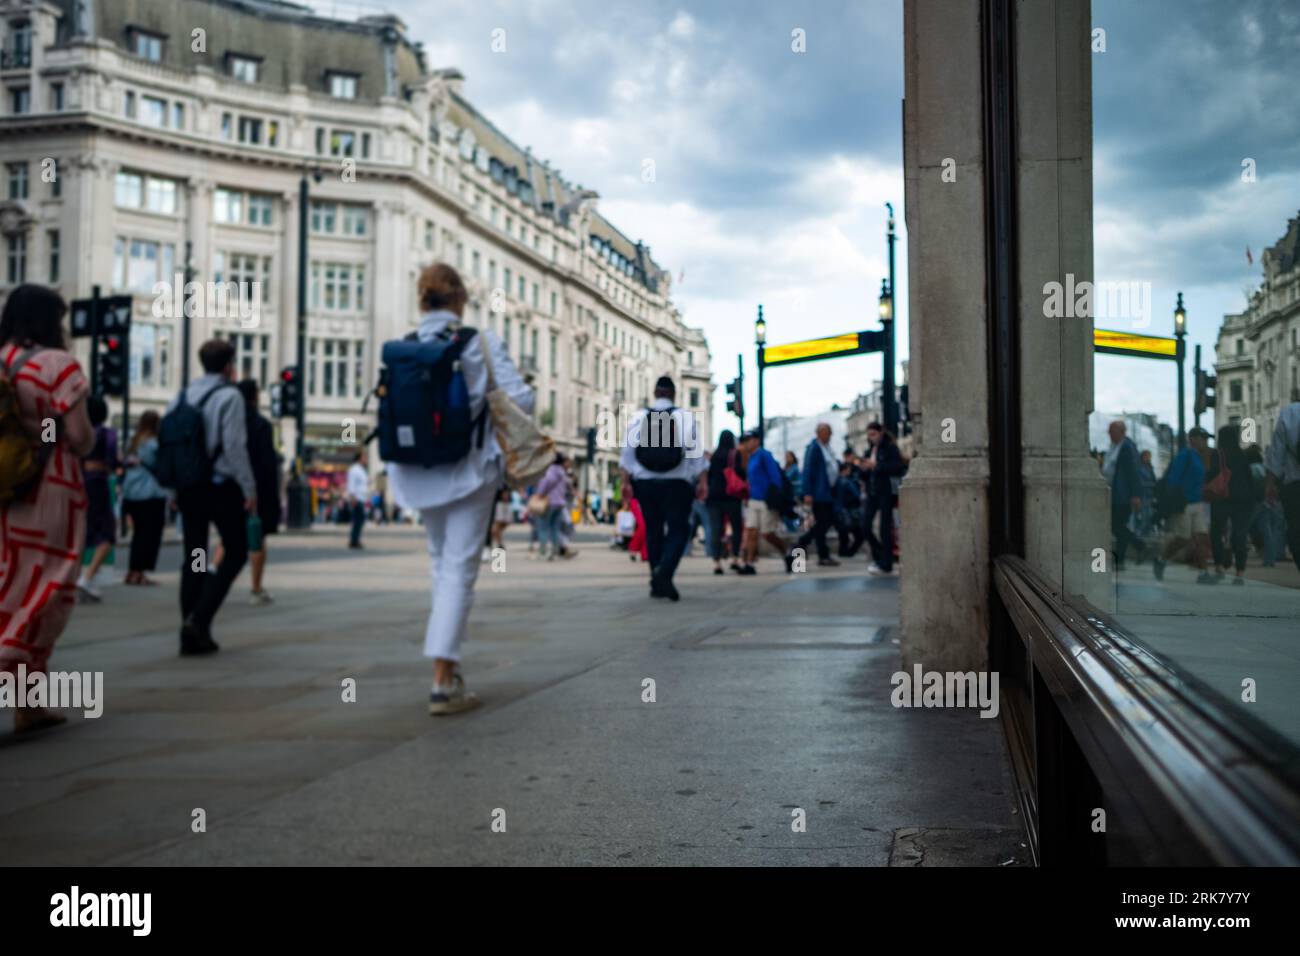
(40, 537)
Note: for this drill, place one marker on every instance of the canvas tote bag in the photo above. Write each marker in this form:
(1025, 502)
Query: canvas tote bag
(528, 452)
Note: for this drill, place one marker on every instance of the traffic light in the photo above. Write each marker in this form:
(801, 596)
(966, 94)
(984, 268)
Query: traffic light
(591, 444)
(735, 402)
(277, 404)
(112, 365)
(1205, 391)
(290, 392)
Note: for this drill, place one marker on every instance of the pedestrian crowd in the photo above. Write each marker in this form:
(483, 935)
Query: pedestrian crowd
(1216, 501)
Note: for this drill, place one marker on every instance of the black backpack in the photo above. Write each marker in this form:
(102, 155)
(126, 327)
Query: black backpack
(655, 452)
(183, 460)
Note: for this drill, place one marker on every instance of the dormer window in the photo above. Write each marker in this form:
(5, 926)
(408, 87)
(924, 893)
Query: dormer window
(146, 45)
(342, 86)
(245, 69)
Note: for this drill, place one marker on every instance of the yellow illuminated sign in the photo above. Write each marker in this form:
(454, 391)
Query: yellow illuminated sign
(1145, 344)
(810, 348)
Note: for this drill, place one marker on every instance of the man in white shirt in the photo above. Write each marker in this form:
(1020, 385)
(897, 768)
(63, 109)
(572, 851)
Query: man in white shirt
(358, 496)
(662, 457)
(1282, 473)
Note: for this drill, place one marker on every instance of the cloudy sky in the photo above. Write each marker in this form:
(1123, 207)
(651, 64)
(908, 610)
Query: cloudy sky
(772, 167)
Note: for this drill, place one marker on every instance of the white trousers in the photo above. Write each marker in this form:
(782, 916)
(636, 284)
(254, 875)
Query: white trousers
(457, 532)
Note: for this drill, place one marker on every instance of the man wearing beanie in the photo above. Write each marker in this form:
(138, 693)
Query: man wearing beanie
(662, 457)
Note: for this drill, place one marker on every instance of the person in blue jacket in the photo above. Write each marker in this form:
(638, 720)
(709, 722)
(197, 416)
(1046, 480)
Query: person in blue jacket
(820, 472)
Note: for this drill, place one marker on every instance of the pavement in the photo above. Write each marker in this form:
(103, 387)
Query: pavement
(769, 705)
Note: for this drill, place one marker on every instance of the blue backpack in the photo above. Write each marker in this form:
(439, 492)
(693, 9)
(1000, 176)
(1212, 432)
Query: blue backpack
(424, 404)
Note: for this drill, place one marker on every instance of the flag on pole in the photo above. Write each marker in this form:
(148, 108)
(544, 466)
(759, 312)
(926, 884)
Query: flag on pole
(1250, 260)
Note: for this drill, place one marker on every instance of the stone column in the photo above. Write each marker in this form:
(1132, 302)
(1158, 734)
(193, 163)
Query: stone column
(1066, 501)
(945, 585)
(945, 588)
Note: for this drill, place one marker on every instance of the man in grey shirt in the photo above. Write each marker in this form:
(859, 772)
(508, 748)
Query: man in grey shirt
(225, 500)
(1282, 472)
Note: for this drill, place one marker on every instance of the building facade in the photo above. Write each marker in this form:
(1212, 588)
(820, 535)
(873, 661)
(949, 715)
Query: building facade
(1257, 355)
(145, 141)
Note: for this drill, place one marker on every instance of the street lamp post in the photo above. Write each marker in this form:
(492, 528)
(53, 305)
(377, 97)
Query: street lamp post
(888, 405)
(760, 338)
(1180, 333)
(297, 490)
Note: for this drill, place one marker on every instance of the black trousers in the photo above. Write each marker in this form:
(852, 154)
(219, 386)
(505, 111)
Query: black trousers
(731, 510)
(848, 525)
(1222, 514)
(223, 505)
(882, 548)
(666, 507)
(823, 521)
(147, 518)
(358, 522)
(1120, 511)
(1290, 496)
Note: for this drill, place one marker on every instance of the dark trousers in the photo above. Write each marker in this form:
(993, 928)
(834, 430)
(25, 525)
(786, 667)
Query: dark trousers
(223, 505)
(1222, 514)
(848, 525)
(147, 517)
(730, 509)
(882, 548)
(358, 522)
(823, 521)
(1290, 495)
(1120, 511)
(666, 507)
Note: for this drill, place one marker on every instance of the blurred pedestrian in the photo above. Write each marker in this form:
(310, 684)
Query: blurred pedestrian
(144, 500)
(728, 489)
(554, 487)
(265, 462)
(765, 504)
(358, 497)
(455, 499)
(662, 459)
(1231, 503)
(1120, 469)
(1282, 462)
(820, 470)
(881, 468)
(42, 512)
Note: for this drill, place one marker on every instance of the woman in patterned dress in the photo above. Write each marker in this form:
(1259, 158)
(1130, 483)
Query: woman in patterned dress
(41, 534)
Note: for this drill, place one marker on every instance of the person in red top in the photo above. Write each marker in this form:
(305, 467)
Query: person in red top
(41, 533)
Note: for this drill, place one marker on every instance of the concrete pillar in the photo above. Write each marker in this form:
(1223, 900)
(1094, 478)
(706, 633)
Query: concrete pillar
(944, 502)
(1066, 500)
(945, 589)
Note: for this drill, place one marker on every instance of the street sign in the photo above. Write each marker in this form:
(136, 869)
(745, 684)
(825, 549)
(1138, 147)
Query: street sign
(1129, 343)
(114, 316)
(811, 350)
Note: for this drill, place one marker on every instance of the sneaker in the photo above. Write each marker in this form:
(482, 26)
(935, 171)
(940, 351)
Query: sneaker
(1238, 581)
(452, 699)
(1205, 577)
(827, 563)
(259, 599)
(876, 571)
(748, 570)
(88, 591)
(719, 571)
(486, 556)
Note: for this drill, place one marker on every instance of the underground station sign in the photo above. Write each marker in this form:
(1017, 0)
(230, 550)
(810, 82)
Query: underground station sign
(1128, 343)
(809, 350)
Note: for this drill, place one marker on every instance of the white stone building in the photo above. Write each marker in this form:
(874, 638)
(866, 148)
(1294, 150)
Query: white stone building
(1257, 355)
(138, 137)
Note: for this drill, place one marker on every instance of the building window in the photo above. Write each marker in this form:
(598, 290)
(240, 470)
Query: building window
(250, 273)
(19, 53)
(147, 45)
(134, 191)
(17, 180)
(138, 264)
(354, 220)
(150, 354)
(343, 85)
(52, 243)
(273, 133)
(16, 259)
(178, 116)
(342, 142)
(555, 356)
(428, 235)
(1234, 390)
(695, 398)
(128, 105)
(227, 126)
(330, 218)
(250, 130)
(365, 145)
(506, 273)
(523, 289)
(476, 264)
(153, 111)
(338, 286)
(20, 99)
(1241, 347)
(244, 68)
(336, 368)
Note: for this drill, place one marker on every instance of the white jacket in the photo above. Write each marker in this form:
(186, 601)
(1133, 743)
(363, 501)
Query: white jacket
(415, 487)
